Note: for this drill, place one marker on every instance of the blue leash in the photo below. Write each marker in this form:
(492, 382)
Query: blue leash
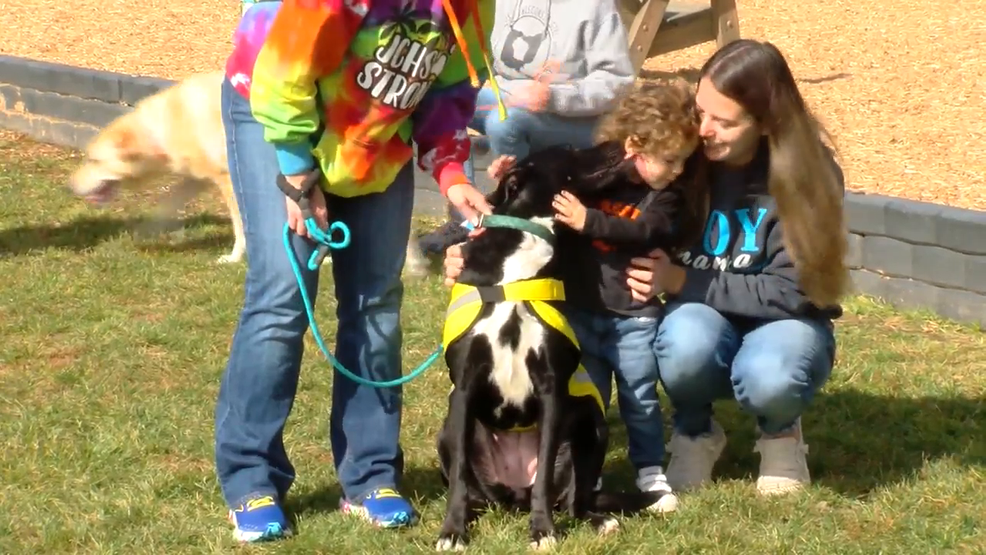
(325, 243)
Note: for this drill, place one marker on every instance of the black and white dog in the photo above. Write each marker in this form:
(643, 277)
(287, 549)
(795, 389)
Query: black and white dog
(525, 427)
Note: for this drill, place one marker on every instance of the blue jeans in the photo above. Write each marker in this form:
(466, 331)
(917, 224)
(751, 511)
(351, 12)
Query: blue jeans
(261, 377)
(523, 132)
(621, 347)
(772, 368)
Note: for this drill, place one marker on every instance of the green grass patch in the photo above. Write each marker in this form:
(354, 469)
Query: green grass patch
(113, 348)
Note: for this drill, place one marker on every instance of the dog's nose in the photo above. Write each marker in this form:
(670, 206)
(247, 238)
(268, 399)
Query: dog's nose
(104, 185)
(102, 192)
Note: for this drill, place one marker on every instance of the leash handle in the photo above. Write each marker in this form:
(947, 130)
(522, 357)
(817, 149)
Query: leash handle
(325, 241)
(310, 309)
(318, 257)
(303, 195)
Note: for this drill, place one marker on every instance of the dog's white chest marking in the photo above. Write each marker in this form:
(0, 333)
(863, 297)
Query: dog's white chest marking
(510, 373)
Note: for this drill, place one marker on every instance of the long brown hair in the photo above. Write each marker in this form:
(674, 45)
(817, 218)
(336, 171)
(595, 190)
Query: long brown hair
(803, 177)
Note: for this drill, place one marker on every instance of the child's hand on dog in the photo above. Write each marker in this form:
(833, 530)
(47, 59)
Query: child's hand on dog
(569, 211)
(499, 166)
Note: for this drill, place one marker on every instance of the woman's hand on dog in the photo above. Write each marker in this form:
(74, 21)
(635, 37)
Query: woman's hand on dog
(468, 201)
(316, 199)
(648, 277)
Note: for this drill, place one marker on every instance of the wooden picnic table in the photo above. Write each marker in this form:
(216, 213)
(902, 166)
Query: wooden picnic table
(660, 26)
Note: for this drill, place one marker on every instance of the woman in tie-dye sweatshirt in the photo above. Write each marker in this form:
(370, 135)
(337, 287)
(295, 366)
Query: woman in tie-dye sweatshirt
(344, 86)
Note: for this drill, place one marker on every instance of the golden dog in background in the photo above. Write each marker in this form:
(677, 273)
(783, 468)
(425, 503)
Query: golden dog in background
(176, 131)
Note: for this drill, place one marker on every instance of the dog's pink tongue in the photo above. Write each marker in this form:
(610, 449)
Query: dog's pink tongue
(516, 458)
(101, 196)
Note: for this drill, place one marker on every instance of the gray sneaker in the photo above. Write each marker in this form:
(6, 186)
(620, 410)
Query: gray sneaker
(783, 462)
(692, 458)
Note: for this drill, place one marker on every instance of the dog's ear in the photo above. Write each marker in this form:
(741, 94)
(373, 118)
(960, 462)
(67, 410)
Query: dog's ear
(506, 190)
(594, 171)
(496, 197)
(499, 195)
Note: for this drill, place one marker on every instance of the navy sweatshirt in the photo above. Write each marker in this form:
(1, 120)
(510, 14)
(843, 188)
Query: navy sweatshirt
(740, 266)
(629, 221)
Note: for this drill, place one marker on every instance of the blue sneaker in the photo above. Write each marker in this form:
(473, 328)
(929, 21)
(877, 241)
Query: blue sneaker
(259, 519)
(383, 507)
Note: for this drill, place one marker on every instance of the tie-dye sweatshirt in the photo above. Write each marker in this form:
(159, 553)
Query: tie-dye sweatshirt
(349, 84)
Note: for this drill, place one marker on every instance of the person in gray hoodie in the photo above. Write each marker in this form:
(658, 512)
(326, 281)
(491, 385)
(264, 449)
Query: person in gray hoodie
(560, 65)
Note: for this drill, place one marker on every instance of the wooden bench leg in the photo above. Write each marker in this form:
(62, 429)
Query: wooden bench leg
(726, 21)
(644, 29)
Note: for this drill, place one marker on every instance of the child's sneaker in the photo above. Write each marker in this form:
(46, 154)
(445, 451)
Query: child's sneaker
(383, 507)
(652, 480)
(259, 519)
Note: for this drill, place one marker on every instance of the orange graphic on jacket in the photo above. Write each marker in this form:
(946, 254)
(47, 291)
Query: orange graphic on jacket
(614, 208)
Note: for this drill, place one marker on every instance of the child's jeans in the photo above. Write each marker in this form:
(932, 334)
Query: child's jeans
(614, 345)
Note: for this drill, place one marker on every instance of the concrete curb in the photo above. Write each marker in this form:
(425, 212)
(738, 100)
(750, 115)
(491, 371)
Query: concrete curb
(911, 254)
(919, 255)
(67, 106)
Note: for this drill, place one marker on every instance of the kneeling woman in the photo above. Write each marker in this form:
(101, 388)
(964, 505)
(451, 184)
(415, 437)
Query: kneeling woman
(750, 307)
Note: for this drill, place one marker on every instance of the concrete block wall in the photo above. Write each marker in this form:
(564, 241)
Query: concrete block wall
(919, 255)
(67, 106)
(63, 104)
(911, 254)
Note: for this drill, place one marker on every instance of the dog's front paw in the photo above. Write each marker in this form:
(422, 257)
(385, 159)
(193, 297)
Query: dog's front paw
(606, 525)
(543, 543)
(542, 534)
(229, 258)
(451, 541)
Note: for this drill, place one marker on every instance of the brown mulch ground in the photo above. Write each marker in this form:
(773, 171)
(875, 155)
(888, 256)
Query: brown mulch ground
(901, 83)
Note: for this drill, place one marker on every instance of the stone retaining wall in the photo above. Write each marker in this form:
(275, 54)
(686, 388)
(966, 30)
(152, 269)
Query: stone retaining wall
(919, 255)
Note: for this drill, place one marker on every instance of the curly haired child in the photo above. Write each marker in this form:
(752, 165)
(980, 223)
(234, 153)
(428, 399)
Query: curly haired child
(652, 191)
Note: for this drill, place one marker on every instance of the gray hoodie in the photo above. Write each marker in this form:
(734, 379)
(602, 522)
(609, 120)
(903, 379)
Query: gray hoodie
(586, 37)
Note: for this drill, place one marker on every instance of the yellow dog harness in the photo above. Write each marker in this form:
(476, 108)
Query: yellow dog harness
(467, 302)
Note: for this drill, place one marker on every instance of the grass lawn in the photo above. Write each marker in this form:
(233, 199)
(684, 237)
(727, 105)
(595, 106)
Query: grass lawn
(113, 349)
